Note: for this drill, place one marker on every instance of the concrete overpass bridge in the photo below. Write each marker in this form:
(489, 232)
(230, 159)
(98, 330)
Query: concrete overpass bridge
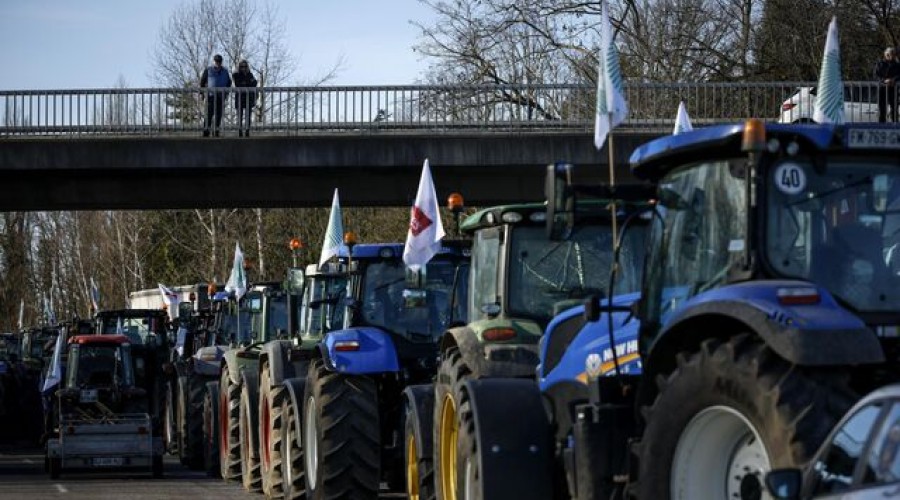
(142, 148)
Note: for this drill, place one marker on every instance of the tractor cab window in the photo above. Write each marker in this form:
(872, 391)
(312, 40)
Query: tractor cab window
(837, 225)
(547, 276)
(698, 236)
(100, 366)
(485, 296)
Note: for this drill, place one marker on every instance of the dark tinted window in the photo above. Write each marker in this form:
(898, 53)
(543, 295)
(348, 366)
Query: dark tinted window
(834, 470)
(883, 461)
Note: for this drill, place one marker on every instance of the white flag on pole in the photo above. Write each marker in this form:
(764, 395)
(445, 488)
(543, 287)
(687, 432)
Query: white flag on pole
(237, 281)
(54, 376)
(682, 120)
(830, 94)
(612, 109)
(95, 295)
(423, 240)
(334, 233)
(170, 298)
(21, 322)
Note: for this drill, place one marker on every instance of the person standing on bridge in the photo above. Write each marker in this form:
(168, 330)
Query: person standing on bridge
(244, 100)
(214, 77)
(887, 72)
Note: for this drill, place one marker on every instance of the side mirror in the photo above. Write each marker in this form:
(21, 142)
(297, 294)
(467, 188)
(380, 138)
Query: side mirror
(295, 280)
(560, 201)
(784, 484)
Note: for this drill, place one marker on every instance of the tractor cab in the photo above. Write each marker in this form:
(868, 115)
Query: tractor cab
(99, 375)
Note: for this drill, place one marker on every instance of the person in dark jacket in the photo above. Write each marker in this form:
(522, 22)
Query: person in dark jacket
(214, 77)
(245, 98)
(887, 72)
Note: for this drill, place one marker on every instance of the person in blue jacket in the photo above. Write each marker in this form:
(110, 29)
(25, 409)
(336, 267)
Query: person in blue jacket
(214, 76)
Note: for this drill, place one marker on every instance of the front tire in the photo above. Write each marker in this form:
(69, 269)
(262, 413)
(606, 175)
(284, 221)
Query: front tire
(294, 475)
(210, 429)
(270, 422)
(250, 474)
(340, 422)
(419, 468)
(728, 414)
(190, 422)
(229, 428)
(452, 374)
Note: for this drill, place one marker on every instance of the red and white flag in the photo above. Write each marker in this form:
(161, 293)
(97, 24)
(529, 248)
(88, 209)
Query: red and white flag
(425, 228)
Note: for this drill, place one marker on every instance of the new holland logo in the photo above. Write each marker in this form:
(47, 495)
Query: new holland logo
(593, 365)
(418, 222)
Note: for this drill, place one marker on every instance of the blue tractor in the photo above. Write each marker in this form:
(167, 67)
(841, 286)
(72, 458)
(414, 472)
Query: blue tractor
(770, 301)
(333, 405)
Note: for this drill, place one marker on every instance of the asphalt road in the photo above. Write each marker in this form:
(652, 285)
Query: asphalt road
(22, 476)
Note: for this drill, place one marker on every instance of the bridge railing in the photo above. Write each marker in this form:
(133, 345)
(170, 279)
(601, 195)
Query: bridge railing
(295, 110)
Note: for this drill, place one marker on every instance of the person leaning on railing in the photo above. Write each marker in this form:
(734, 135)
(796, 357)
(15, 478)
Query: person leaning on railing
(887, 72)
(244, 100)
(214, 76)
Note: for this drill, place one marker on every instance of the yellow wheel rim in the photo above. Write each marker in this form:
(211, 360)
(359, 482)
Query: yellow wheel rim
(412, 469)
(449, 435)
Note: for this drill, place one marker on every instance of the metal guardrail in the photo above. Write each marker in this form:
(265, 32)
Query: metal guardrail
(295, 110)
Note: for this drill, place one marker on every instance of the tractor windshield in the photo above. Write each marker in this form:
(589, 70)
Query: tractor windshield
(837, 226)
(384, 304)
(322, 309)
(100, 366)
(547, 276)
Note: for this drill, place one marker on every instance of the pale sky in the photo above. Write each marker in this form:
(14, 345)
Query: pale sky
(74, 44)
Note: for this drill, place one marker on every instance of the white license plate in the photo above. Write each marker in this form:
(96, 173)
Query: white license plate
(88, 396)
(107, 461)
(873, 138)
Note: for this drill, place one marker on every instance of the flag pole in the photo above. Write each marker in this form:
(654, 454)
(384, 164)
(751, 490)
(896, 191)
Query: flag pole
(612, 186)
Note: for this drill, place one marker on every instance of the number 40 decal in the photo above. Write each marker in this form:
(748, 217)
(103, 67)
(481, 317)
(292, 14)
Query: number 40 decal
(790, 178)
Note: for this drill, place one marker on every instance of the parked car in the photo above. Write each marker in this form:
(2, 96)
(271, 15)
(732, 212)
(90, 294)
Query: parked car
(859, 459)
(860, 104)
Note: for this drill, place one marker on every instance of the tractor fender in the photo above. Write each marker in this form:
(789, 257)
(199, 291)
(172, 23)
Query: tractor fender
(515, 449)
(208, 361)
(295, 388)
(419, 403)
(275, 355)
(374, 351)
(522, 357)
(811, 334)
(250, 381)
(229, 360)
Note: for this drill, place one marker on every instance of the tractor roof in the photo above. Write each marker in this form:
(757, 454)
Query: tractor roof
(654, 159)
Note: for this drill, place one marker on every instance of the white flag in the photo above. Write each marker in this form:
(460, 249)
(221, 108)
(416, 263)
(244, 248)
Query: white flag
(423, 240)
(21, 314)
(95, 295)
(334, 233)
(682, 120)
(170, 298)
(830, 94)
(612, 109)
(54, 376)
(237, 281)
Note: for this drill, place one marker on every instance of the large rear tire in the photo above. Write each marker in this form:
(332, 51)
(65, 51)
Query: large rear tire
(293, 464)
(210, 429)
(341, 435)
(729, 413)
(270, 422)
(229, 428)
(451, 376)
(190, 422)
